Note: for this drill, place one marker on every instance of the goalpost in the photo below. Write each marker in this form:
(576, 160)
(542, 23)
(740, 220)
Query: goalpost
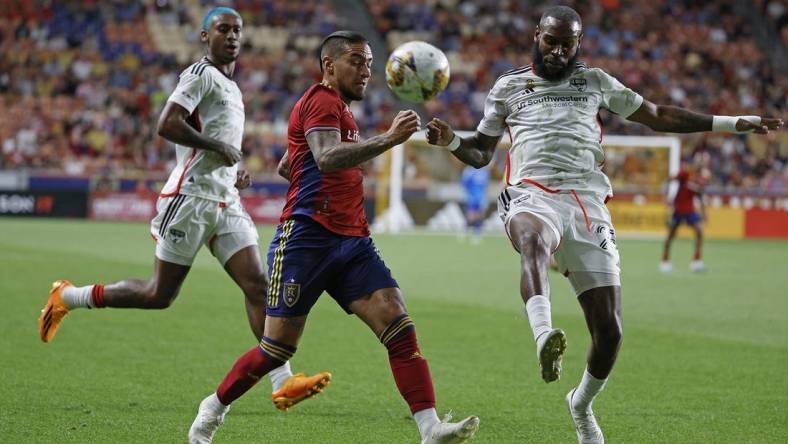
(641, 163)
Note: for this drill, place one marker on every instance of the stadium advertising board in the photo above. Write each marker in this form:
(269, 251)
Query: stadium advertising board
(127, 207)
(141, 207)
(43, 204)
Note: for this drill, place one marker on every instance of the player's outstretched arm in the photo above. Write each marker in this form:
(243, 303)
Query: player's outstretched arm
(476, 151)
(173, 127)
(332, 155)
(673, 119)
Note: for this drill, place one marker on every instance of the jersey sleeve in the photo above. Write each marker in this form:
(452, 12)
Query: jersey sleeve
(616, 97)
(190, 90)
(321, 113)
(493, 123)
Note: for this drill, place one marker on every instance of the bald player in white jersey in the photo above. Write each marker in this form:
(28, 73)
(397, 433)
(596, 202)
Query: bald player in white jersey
(199, 205)
(554, 201)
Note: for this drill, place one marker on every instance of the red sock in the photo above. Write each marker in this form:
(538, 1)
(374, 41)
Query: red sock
(97, 296)
(411, 372)
(250, 368)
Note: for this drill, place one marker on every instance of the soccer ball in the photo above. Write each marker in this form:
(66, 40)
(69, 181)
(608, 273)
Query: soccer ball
(417, 71)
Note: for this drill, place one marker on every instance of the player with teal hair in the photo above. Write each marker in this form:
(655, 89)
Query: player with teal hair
(206, 21)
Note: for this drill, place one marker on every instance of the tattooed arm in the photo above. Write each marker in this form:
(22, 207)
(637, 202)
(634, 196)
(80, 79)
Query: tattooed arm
(333, 155)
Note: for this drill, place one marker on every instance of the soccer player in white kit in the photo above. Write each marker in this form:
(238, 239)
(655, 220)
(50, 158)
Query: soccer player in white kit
(554, 201)
(199, 205)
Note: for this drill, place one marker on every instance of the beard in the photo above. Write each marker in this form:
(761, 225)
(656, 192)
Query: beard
(350, 94)
(541, 69)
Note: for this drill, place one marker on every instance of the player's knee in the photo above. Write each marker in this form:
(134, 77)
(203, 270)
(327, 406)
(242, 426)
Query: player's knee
(609, 335)
(161, 299)
(255, 289)
(532, 244)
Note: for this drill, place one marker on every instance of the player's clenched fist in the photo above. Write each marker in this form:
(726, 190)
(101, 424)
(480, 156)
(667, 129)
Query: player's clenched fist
(243, 180)
(229, 153)
(404, 125)
(439, 132)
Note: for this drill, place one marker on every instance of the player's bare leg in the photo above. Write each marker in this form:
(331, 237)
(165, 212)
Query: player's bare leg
(536, 241)
(697, 264)
(158, 292)
(665, 265)
(246, 268)
(385, 313)
(602, 309)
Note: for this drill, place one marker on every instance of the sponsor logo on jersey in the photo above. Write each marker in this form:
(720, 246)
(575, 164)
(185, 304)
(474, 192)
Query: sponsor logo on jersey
(578, 84)
(352, 135)
(292, 292)
(554, 101)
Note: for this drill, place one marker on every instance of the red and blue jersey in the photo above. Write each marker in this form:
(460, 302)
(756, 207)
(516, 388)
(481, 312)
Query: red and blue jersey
(334, 200)
(684, 202)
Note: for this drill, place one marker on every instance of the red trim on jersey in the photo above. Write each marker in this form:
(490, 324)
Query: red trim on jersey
(155, 239)
(183, 174)
(585, 215)
(540, 186)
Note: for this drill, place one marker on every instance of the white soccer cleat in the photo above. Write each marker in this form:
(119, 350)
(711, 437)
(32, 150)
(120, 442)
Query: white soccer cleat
(588, 431)
(697, 266)
(210, 416)
(550, 349)
(665, 267)
(446, 432)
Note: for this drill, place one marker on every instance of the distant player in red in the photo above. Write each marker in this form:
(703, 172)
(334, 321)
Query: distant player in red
(683, 204)
(323, 245)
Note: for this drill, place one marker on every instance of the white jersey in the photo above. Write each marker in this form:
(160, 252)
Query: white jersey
(554, 126)
(217, 110)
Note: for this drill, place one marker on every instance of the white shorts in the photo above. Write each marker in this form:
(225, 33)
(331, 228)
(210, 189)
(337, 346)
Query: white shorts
(185, 223)
(586, 251)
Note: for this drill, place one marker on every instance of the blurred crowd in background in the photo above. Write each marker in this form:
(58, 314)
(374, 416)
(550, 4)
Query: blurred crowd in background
(82, 82)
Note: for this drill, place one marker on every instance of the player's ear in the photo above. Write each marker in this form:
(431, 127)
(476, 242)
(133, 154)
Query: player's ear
(537, 31)
(204, 36)
(328, 65)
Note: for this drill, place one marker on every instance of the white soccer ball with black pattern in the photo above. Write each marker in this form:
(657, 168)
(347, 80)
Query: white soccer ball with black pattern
(417, 71)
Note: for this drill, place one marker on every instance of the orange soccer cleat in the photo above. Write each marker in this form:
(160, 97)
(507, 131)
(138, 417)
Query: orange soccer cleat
(299, 387)
(53, 312)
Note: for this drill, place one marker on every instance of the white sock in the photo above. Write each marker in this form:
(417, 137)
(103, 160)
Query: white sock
(537, 309)
(425, 419)
(586, 391)
(279, 375)
(77, 297)
(215, 405)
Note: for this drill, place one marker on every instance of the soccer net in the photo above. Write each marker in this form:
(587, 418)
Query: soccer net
(418, 185)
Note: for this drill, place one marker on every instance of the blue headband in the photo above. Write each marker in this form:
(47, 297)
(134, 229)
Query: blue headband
(206, 22)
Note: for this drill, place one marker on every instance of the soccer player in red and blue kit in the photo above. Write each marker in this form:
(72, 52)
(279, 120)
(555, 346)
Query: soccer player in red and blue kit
(323, 244)
(684, 211)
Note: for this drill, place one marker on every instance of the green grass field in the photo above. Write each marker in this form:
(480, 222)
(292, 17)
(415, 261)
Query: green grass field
(703, 361)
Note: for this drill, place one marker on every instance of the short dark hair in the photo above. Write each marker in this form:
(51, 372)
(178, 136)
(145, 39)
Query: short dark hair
(335, 42)
(563, 13)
